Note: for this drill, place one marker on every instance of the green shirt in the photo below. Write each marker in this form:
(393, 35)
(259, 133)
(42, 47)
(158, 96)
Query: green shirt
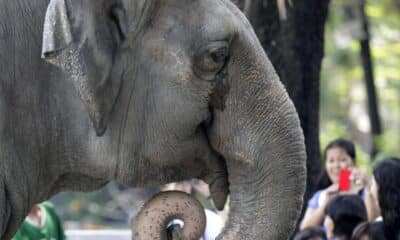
(51, 229)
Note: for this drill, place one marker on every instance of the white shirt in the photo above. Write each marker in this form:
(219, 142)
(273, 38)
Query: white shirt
(214, 225)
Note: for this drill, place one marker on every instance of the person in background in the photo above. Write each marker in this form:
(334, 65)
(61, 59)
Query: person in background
(386, 188)
(316, 233)
(369, 231)
(343, 214)
(339, 154)
(42, 223)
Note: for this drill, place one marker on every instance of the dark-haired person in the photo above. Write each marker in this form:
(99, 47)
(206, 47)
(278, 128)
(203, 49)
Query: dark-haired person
(369, 231)
(386, 188)
(343, 214)
(316, 233)
(339, 154)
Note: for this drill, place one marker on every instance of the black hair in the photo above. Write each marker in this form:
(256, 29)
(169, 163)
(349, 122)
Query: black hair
(374, 231)
(346, 212)
(387, 177)
(345, 144)
(310, 233)
(348, 146)
(323, 181)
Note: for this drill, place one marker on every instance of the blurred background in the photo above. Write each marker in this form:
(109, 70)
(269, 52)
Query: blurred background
(112, 207)
(344, 109)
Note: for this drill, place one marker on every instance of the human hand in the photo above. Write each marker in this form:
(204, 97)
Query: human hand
(359, 179)
(328, 194)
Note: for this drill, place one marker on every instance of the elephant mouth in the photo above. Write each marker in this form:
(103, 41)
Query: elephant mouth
(219, 190)
(216, 171)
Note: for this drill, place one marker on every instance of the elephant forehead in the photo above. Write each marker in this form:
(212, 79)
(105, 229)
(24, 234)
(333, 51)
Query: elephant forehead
(198, 19)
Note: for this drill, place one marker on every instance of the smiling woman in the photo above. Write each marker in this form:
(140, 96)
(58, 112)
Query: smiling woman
(339, 155)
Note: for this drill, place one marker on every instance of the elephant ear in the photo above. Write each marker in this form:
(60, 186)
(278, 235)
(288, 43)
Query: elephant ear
(80, 37)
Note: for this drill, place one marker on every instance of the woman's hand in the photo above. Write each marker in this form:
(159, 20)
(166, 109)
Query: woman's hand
(315, 216)
(359, 180)
(327, 195)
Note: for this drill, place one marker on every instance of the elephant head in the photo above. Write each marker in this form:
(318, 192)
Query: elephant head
(184, 89)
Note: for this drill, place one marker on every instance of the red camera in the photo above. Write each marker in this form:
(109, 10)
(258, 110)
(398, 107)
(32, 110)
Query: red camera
(344, 180)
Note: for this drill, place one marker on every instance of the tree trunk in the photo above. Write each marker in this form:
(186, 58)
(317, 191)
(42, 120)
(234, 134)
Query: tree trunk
(292, 34)
(367, 65)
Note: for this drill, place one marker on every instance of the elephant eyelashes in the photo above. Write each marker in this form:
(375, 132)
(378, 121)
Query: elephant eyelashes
(211, 60)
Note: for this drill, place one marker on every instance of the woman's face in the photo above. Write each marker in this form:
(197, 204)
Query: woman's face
(336, 160)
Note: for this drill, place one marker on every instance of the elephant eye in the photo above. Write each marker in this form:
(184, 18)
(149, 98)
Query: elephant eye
(211, 60)
(219, 55)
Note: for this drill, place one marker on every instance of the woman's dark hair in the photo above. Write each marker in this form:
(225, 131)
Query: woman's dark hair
(310, 233)
(374, 231)
(348, 146)
(323, 181)
(346, 212)
(387, 177)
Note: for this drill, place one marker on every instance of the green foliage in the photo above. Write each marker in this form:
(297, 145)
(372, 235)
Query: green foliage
(343, 109)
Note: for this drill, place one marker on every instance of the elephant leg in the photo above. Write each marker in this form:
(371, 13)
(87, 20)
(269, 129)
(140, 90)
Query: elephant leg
(152, 221)
(5, 213)
(13, 190)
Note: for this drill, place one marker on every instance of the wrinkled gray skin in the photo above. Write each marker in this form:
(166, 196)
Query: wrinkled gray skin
(145, 92)
(152, 220)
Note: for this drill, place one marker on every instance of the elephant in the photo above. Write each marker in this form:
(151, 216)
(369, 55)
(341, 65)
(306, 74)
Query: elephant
(153, 218)
(145, 92)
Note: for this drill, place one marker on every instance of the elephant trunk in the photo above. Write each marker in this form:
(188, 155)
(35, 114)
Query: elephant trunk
(259, 135)
(153, 218)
